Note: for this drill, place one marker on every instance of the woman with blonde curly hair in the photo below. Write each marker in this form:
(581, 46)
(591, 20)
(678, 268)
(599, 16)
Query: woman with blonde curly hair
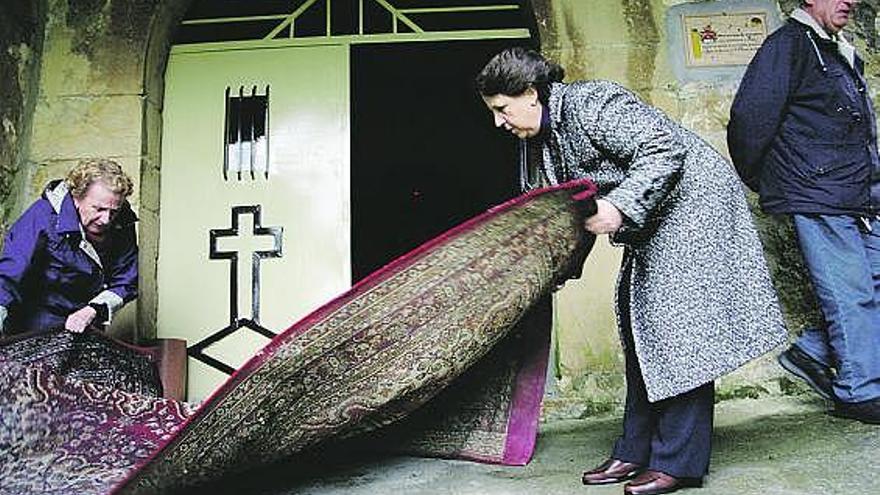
(70, 261)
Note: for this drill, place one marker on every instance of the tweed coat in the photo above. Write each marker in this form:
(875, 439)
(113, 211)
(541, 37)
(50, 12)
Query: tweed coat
(701, 298)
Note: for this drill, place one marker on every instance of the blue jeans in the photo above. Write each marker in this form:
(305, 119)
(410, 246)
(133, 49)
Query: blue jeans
(843, 258)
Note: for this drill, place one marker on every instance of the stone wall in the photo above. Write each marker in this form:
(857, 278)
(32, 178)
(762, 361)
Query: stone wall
(21, 39)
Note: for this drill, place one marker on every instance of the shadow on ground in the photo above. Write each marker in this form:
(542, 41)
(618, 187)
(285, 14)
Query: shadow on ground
(786, 446)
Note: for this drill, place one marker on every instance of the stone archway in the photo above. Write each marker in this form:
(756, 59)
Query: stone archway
(161, 31)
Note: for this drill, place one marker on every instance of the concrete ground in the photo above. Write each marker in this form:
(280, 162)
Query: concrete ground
(771, 446)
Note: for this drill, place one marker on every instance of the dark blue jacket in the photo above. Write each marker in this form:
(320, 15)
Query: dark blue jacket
(47, 272)
(802, 128)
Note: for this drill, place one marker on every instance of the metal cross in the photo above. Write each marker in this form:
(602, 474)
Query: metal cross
(258, 231)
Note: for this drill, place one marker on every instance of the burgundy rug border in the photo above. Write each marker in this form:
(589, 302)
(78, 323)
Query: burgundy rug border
(525, 412)
(587, 189)
(525, 407)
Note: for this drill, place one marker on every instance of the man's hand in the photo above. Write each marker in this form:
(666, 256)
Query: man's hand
(607, 219)
(77, 322)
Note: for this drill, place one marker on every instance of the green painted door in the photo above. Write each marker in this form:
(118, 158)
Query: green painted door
(254, 199)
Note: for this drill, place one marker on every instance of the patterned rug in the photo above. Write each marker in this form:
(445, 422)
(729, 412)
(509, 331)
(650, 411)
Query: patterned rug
(69, 434)
(490, 413)
(88, 357)
(460, 316)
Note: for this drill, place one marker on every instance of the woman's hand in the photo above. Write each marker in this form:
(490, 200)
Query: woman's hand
(77, 322)
(607, 219)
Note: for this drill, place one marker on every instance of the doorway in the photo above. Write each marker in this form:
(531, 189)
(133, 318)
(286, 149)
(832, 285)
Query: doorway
(425, 155)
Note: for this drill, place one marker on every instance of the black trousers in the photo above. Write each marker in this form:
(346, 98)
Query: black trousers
(672, 435)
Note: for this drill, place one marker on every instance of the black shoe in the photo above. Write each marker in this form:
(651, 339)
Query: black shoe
(817, 375)
(612, 471)
(655, 483)
(866, 412)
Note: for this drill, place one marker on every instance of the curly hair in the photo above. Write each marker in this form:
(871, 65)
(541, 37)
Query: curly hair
(103, 170)
(515, 70)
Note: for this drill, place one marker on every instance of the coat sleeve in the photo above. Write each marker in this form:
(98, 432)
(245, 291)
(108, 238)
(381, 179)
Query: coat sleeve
(121, 282)
(640, 139)
(24, 240)
(759, 107)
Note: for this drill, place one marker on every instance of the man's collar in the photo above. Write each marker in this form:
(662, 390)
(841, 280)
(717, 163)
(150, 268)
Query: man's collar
(803, 17)
(846, 49)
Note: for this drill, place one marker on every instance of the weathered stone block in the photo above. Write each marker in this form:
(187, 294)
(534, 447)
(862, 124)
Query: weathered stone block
(95, 47)
(148, 301)
(81, 127)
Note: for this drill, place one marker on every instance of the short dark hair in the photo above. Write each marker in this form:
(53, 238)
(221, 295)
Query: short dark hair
(515, 70)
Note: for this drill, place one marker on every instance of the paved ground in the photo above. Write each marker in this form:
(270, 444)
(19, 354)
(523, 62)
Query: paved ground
(786, 446)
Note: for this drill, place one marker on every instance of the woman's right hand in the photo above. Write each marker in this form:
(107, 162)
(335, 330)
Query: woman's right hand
(607, 219)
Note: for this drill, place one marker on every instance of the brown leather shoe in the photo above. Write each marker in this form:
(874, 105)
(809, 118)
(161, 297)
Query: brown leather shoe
(654, 482)
(611, 471)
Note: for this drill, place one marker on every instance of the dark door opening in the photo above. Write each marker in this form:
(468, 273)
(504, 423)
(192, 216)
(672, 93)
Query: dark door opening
(425, 155)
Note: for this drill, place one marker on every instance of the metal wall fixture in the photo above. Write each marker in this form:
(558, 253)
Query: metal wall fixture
(250, 322)
(355, 21)
(246, 135)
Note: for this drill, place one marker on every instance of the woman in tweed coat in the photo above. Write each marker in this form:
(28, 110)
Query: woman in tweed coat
(694, 297)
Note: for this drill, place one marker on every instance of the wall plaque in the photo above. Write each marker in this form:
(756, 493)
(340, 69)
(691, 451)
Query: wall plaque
(722, 39)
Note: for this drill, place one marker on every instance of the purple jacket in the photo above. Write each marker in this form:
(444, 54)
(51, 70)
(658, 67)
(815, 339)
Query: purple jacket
(48, 270)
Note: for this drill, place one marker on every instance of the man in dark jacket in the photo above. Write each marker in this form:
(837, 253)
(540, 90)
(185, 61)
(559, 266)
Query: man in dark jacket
(802, 134)
(70, 261)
